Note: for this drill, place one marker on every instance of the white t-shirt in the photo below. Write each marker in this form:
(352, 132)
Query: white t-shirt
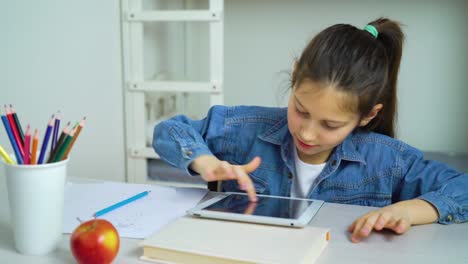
(305, 175)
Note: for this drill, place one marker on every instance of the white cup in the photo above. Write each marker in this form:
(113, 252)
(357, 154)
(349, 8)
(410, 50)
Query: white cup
(36, 197)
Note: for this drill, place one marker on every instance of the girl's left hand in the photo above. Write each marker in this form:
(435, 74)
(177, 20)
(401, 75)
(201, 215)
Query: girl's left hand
(398, 217)
(395, 217)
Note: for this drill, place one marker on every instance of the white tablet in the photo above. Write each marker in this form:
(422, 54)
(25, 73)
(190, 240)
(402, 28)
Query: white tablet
(273, 210)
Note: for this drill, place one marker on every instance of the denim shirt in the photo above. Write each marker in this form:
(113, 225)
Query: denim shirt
(365, 169)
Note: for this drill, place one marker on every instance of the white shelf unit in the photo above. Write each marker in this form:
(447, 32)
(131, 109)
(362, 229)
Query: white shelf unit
(137, 87)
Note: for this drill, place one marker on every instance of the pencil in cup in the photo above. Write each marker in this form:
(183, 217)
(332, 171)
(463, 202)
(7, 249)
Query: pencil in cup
(75, 136)
(14, 130)
(27, 146)
(63, 147)
(19, 158)
(45, 141)
(17, 122)
(35, 142)
(53, 143)
(5, 156)
(60, 141)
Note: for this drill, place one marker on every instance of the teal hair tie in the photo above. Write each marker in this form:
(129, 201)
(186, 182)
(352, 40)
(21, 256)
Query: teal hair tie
(371, 29)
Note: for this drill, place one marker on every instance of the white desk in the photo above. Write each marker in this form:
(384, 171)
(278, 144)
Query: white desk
(422, 244)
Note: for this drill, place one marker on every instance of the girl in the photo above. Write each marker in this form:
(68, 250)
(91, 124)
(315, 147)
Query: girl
(334, 142)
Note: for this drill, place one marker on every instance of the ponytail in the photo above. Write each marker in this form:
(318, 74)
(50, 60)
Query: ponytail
(391, 37)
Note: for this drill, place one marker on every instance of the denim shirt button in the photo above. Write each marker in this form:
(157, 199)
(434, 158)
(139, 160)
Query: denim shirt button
(188, 153)
(290, 175)
(449, 218)
(334, 163)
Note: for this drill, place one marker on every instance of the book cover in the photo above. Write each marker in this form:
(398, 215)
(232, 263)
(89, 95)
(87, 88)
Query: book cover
(196, 240)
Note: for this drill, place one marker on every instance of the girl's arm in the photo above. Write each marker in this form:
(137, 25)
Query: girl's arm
(179, 140)
(398, 217)
(428, 191)
(192, 145)
(445, 188)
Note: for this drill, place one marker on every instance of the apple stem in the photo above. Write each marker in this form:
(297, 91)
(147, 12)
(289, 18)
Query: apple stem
(79, 220)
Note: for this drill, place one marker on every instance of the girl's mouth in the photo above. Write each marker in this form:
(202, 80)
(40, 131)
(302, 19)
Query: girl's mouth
(305, 146)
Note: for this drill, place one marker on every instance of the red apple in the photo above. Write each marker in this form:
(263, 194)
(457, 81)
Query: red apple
(95, 242)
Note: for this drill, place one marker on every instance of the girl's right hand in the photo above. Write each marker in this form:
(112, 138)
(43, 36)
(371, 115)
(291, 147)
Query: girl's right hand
(212, 169)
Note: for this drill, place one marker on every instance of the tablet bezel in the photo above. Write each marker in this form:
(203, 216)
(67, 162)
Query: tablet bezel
(303, 220)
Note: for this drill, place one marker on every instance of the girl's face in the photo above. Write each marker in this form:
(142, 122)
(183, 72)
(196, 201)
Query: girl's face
(318, 121)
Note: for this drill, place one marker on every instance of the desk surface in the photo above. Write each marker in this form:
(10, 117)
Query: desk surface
(433, 243)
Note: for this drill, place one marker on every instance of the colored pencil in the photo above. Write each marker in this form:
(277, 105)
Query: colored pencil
(55, 133)
(34, 147)
(45, 141)
(19, 158)
(27, 146)
(75, 136)
(14, 130)
(120, 204)
(5, 156)
(64, 133)
(63, 147)
(17, 122)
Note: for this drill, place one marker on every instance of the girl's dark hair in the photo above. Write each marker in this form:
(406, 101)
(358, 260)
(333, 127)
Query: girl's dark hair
(354, 61)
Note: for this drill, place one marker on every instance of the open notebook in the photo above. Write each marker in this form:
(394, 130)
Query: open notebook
(197, 241)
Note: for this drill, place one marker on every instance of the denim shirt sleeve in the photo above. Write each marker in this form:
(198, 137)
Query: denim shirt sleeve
(445, 188)
(180, 140)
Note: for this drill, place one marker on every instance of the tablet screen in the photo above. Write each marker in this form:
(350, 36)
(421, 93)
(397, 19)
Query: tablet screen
(265, 206)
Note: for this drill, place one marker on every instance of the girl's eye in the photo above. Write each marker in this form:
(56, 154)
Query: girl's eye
(301, 113)
(327, 126)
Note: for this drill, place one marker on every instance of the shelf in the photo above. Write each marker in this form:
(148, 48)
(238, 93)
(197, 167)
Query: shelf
(143, 153)
(172, 52)
(184, 15)
(174, 86)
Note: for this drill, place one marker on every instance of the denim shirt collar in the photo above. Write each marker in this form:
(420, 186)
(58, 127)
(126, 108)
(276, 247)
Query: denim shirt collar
(279, 134)
(347, 150)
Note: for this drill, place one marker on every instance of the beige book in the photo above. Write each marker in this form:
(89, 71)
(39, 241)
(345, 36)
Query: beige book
(205, 241)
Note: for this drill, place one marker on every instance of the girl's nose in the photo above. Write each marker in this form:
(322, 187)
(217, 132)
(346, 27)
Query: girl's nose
(308, 133)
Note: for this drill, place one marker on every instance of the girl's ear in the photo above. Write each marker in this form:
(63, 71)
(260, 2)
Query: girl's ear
(373, 113)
